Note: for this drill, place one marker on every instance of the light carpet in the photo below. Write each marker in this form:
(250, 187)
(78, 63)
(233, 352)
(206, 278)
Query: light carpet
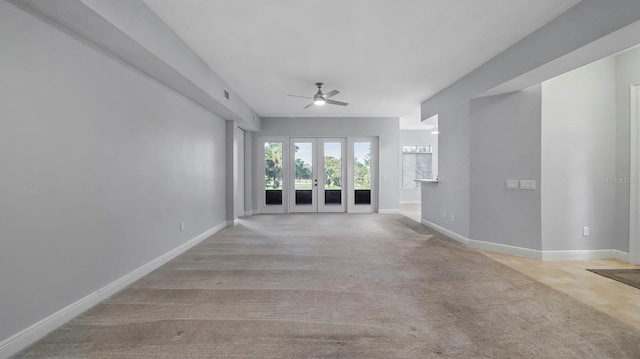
(338, 286)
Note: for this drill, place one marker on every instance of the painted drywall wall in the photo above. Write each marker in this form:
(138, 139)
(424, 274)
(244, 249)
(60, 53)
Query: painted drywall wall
(447, 203)
(239, 157)
(387, 129)
(505, 144)
(627, 74)
(131, 31)
(231, 170)
(249, 165)
(570, 40)
(100, 164)
(573, 31)
(578, 152)
(417, 137)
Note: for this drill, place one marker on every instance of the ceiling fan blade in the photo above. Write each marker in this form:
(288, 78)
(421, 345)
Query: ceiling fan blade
(333, 102)
(309, 98)
(331, 93)
(309, 105)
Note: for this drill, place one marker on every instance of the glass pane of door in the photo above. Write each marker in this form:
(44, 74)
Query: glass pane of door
(332, 163)
(273, 173)
(362, 173)
(303, 180)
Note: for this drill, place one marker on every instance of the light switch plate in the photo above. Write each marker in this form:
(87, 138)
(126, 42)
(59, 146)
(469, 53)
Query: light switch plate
(512, 184)
(527, 184)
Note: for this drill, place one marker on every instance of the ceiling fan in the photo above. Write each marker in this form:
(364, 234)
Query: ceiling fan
(321, 98)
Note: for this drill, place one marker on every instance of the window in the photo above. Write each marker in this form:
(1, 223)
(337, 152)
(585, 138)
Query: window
(362, 173)
(416, 164)
(273, 173)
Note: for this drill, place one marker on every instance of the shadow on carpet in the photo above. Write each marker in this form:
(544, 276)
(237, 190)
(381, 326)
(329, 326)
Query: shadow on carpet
(417, 227)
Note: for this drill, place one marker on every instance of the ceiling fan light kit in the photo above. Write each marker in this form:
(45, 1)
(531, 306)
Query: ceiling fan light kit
(320, 98)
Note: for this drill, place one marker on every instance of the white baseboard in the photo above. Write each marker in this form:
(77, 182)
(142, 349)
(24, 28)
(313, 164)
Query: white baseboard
(532, 253)
(382, 210)
(250, 213)
(232, 223)
(503, 248)
(578, 254)
(586, 255)
(410, 202)
(447, 232)
(35, 332)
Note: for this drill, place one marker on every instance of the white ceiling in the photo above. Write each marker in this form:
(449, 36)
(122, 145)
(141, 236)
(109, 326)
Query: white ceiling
(386, 57)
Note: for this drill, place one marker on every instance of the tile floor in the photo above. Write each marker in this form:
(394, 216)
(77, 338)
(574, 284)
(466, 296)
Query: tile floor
(571, 277)
(616, 299)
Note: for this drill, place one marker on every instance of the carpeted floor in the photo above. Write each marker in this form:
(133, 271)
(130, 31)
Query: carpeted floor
(338, 286)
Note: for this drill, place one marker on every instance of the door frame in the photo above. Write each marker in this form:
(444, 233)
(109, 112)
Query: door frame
(634, 174)
(322, 207)
(318, 183)
(260, 167)
(348, 199)
(313, 207)
(240, 155)
(351, 206)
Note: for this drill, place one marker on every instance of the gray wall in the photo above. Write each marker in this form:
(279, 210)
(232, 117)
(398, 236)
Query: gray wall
(505, 144)
(573, 38)
(239, 154)
(387, 129)
(131, 31)
(417, 137)
(99, 164)
(231, 170)
(451, 194)
(627, 74)
(531, 60)
(578, 151)
(249, 165)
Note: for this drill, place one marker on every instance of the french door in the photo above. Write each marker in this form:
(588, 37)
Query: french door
(317, 170)
(317, 174)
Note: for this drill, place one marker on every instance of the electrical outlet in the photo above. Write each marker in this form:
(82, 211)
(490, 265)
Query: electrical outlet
(512, 184)
(453, 218)
(181, 226)
(527, 184)
(585, 231)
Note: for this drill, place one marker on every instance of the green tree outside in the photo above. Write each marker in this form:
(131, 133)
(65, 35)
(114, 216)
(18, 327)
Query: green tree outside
(303, 170)
(332, 169)
(332, 173)
(273, 165)
(362, 172)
